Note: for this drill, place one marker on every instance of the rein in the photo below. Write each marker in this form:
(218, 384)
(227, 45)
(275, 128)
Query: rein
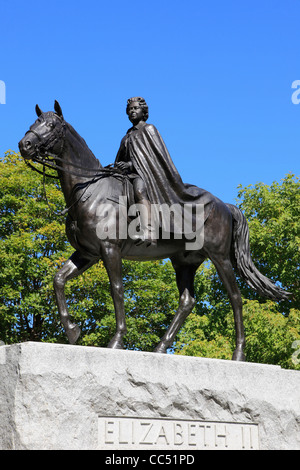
(109, 170)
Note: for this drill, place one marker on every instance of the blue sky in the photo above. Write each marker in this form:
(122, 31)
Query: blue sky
(217, 76)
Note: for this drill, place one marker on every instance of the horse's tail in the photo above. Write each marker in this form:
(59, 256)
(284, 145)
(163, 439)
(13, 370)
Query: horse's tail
(243, 262)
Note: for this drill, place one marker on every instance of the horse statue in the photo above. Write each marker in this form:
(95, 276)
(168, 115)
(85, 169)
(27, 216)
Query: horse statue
(88, 186)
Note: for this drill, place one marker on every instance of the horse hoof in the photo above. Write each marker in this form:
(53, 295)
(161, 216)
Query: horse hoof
(160, 349)
(73, 334)
(239, 356)
(115, 344)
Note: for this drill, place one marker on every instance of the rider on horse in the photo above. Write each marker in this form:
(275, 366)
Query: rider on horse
(146, 161)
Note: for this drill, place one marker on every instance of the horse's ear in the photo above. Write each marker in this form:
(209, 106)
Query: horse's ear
(57, 108)
(38, 110)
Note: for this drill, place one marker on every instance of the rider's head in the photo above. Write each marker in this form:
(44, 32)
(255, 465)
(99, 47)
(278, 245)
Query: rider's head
(142, 104)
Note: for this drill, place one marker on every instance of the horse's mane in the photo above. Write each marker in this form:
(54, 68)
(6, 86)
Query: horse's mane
(78, 143)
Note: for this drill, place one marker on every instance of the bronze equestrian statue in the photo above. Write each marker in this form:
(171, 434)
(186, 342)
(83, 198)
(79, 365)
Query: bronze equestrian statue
(143, 173)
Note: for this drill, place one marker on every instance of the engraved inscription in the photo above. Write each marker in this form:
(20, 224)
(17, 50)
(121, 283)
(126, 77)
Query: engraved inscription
(141, 433)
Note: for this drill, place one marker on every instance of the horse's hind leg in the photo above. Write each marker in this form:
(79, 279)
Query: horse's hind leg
(185, 275)
(74, 266)
(226, 273)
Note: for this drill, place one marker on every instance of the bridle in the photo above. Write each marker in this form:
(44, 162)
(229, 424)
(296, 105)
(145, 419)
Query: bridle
(47, 146)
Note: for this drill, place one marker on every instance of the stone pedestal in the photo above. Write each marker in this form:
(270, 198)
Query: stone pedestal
(55, 396)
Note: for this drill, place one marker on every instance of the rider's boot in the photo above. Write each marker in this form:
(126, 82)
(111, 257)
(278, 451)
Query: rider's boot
(147, 234)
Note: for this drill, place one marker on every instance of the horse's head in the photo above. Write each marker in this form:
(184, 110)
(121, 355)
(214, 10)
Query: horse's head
(46, 136)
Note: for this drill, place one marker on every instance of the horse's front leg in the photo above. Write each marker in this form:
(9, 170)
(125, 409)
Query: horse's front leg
(74, 266)
(111, 255)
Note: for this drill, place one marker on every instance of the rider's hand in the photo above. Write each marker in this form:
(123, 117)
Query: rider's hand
(124, 165)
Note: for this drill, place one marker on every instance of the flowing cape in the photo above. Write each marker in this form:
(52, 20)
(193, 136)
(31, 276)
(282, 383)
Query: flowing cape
(145, 148)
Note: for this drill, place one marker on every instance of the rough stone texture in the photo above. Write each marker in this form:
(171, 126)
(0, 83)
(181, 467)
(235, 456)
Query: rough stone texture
(51, 395)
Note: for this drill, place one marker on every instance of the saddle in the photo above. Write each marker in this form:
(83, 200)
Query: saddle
(121, 186)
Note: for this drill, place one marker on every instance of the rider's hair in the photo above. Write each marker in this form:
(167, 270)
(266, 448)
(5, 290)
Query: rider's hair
(142, 103)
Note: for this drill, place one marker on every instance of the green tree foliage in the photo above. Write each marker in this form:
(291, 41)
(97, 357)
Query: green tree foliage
(273, 216)
(271, 328)
(32, 246)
